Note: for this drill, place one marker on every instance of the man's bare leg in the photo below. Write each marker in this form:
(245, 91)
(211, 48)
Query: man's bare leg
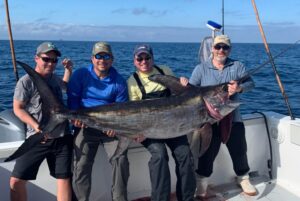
(18, 189)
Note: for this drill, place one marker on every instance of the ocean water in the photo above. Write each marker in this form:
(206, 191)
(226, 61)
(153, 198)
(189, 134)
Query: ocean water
(182, 58)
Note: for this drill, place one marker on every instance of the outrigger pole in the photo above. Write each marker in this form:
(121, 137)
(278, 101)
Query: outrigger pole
(272, 61)
(223, 29)
(11, 41)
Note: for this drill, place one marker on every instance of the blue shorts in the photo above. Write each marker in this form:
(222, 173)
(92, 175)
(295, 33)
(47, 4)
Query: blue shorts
(58, 153)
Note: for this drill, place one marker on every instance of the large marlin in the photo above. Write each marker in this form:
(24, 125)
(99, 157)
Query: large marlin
(186, 111)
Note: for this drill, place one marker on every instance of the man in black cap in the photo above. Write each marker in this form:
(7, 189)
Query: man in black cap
(27, 107)
(140, 87)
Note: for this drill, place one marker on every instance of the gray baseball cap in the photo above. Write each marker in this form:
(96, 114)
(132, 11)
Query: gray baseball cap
(46, 47)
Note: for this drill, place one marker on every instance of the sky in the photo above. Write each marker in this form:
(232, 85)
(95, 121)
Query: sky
(150, 21)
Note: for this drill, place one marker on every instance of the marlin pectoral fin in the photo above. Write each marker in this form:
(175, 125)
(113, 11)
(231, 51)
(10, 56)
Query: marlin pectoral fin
(205, 133)
(26, 146)
(201, 139)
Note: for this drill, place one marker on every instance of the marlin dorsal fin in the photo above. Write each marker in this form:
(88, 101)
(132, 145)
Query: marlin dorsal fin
(170, 82)
(50, 102)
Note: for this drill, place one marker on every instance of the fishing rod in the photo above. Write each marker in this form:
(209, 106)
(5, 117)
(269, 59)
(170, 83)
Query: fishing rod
(11, 41)
(272, 61)
(223, 29)
(254, 70)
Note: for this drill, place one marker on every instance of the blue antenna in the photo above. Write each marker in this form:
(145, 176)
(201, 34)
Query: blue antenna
(204, 53)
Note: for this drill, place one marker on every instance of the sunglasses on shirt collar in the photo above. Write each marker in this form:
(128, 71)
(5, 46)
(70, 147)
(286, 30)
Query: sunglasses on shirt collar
(219, 46)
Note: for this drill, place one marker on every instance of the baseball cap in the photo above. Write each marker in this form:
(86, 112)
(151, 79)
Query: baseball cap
(46, 47)
(143, 48)
(222, 39)
(101, 47)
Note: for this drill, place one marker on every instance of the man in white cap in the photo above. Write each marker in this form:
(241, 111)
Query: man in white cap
(222, 69)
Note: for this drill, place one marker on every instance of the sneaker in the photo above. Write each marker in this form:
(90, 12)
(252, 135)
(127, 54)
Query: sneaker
(246, 186)
(202, 184)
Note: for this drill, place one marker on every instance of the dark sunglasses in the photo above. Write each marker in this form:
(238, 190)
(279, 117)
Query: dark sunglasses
(48, 60)
(104, 57)
(224, 47)
(139, 59)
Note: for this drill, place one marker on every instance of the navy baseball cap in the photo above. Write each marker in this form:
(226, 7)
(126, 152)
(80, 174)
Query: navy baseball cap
(143, 48)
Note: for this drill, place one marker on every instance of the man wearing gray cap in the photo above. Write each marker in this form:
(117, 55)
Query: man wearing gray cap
(27, 106)
(98, 84)
(222, 69)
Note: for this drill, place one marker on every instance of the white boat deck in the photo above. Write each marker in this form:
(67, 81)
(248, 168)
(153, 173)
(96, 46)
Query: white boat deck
(267, 191)
(285, 140)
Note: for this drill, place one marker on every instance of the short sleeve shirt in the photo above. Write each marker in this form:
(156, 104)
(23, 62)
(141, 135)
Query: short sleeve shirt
(26, 92)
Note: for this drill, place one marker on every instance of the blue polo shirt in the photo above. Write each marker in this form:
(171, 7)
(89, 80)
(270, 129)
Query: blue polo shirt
(86, 89)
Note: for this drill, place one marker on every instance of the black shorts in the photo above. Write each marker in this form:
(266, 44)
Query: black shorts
(58, 153)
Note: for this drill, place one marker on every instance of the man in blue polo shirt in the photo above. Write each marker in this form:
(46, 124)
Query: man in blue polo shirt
(98, 84)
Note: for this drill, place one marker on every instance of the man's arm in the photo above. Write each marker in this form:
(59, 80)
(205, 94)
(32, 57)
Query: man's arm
(195, 78)
(68, 69)
(24, 116)
(134, 93)
(74, 90)
(68, 65)
(122, 92)
(236, 87)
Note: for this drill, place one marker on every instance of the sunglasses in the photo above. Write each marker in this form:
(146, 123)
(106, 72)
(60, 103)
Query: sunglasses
(139, 59)
(48, 60)
(224, 47)
(104, 57)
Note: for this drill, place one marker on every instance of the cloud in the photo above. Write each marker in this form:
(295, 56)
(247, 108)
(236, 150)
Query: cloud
(280, 24)
(235, 14)
(42, 19)
(140, 11)
(52, 31)
(120, 11)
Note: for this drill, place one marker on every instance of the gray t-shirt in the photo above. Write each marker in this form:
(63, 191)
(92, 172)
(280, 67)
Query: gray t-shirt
(205, 74)
(26, 91)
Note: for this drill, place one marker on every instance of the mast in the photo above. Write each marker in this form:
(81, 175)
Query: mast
(272, 61)
(11, 41)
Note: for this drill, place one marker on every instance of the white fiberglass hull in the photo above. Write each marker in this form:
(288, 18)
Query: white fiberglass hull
(285, 185)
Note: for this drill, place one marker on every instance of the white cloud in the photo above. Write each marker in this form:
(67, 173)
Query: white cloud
(140, 11)
(275, 33)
